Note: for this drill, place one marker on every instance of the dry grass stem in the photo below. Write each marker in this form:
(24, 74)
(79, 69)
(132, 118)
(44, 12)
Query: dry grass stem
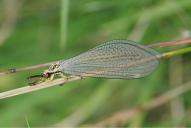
(60, 81)
(13, 70)
(170, 43)
(36, 87)
(161, 44)
(11, 13)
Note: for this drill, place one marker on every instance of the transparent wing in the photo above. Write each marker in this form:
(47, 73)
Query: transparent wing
(114, 59)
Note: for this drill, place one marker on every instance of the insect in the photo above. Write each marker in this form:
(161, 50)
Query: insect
(117, 59)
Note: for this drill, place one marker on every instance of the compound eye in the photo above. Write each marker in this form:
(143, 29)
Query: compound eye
(53, 67)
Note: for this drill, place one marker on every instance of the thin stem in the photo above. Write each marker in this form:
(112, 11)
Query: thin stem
(11, 10)
(175, 52)
(61, 81)
(161, 44)
(169, 43)
(36, 87)
(64, 23)
(13, 70)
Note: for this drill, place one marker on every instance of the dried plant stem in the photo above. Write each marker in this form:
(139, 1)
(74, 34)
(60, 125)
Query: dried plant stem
(43, 85)
(124, 116)
(60, 81)
(170, 43)
(175, 79)
(161, 44)
(11, 14)
(13, 70)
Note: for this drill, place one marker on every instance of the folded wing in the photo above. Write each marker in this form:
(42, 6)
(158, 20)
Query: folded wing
(121, 59)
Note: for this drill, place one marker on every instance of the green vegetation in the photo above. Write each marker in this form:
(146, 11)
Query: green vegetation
(36, 38)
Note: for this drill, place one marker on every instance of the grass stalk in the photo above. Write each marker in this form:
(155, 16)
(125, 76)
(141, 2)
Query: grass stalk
(43, 85)
(160, 44)
(64, 23)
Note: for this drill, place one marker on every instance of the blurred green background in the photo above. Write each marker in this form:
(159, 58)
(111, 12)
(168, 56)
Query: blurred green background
(40, 31)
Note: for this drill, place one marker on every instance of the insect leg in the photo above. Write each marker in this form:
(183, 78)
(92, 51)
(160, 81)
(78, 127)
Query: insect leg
(60, 74)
